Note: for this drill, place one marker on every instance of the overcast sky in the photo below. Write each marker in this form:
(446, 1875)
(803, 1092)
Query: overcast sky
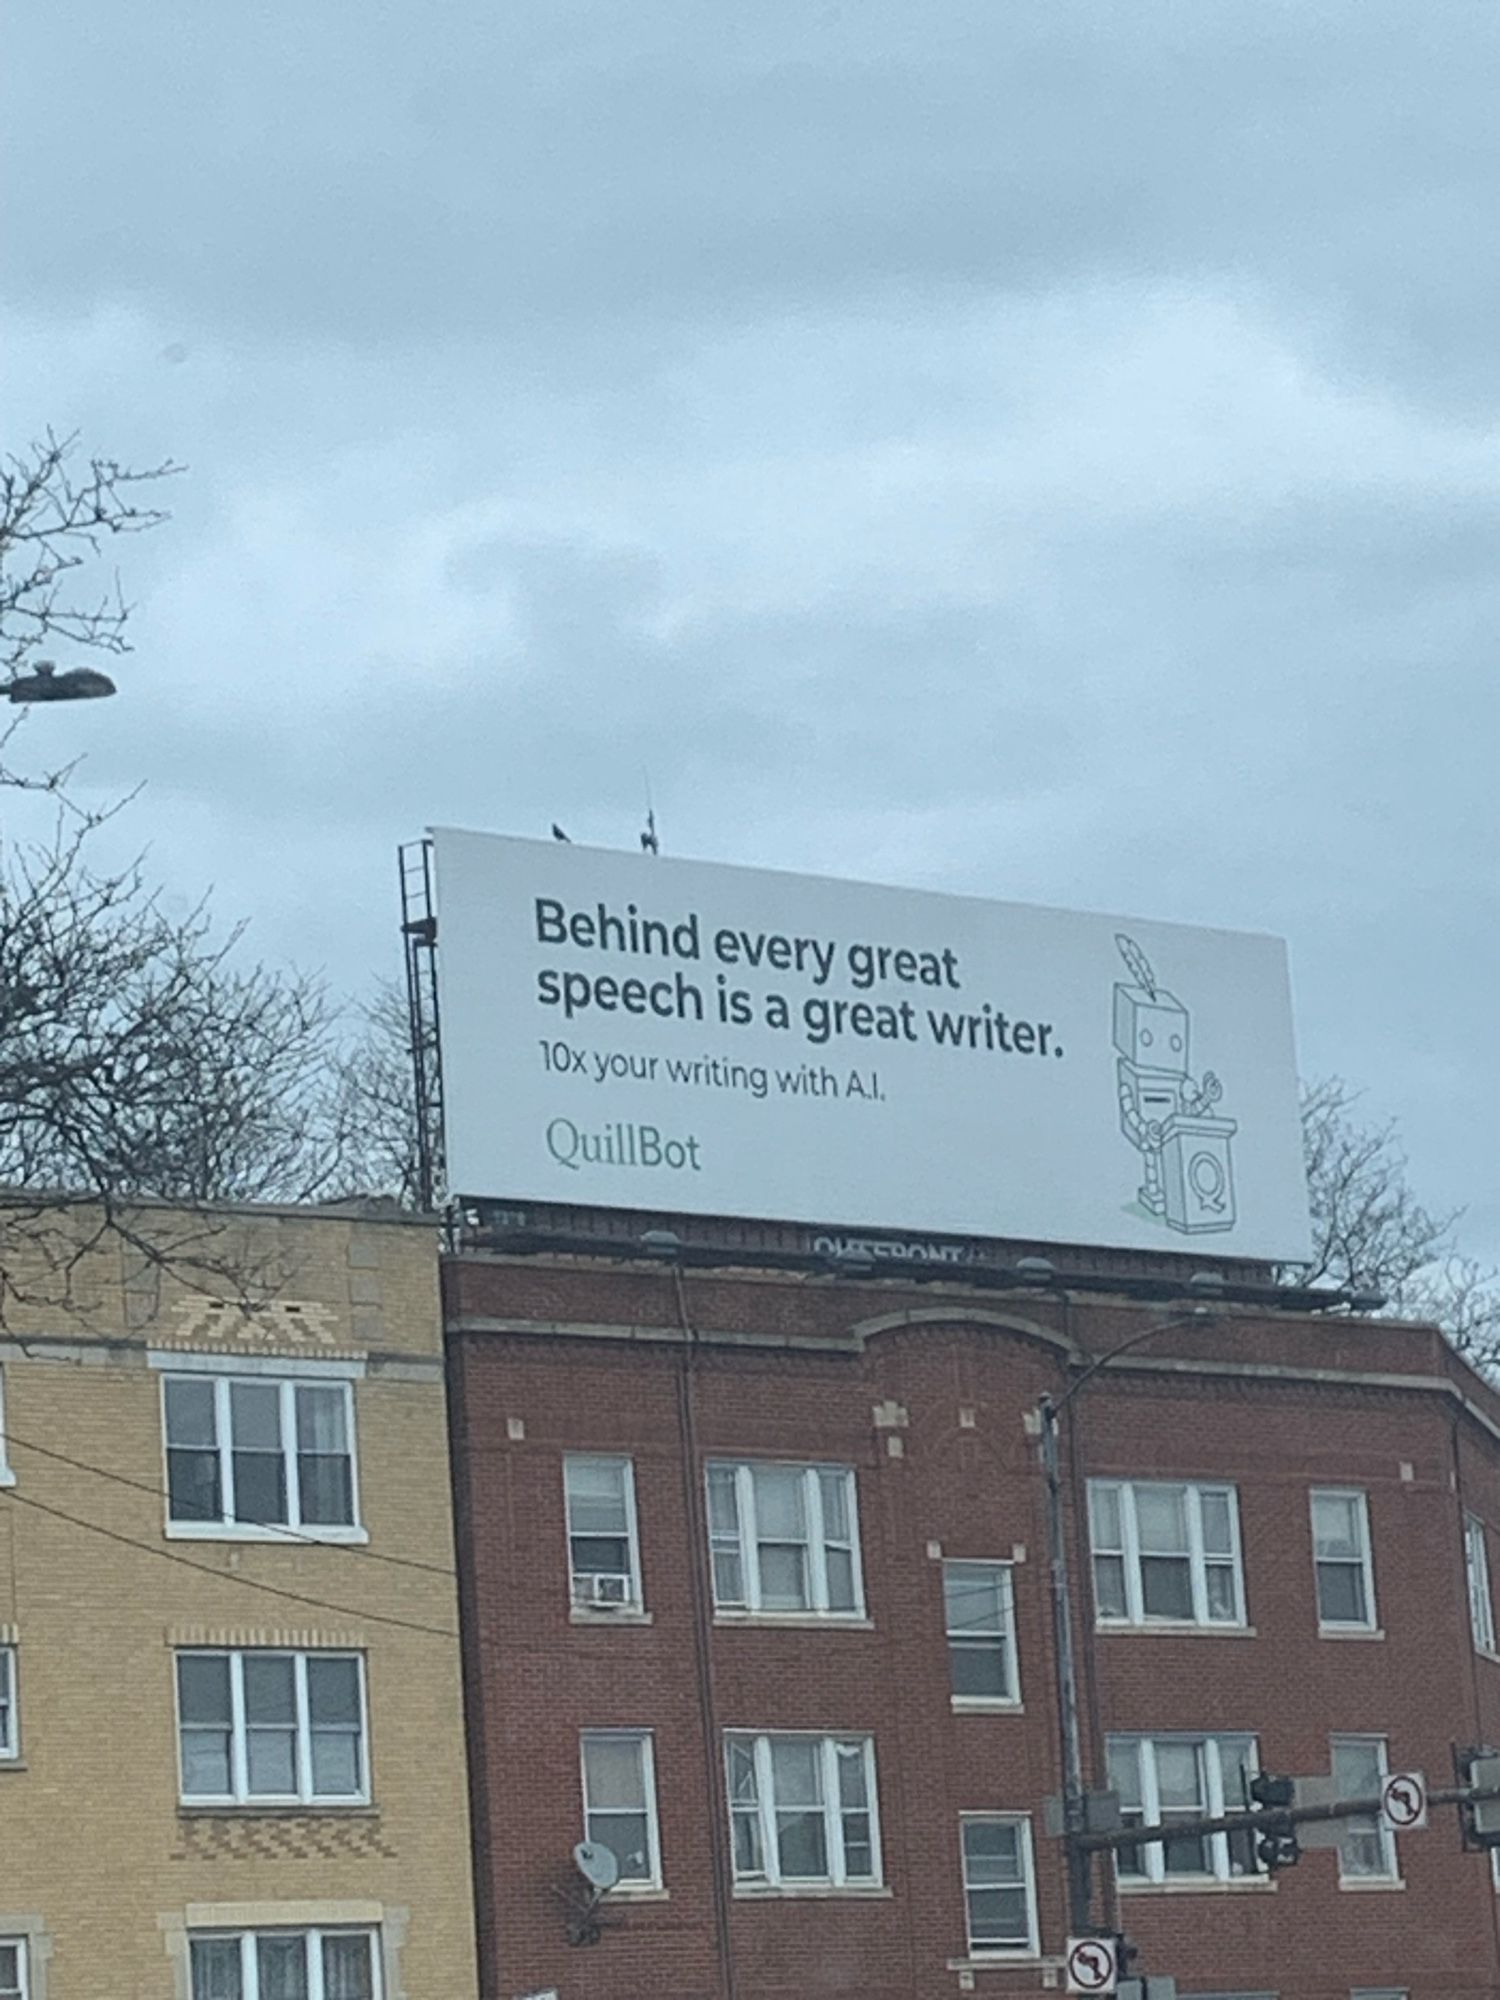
(1038, 448)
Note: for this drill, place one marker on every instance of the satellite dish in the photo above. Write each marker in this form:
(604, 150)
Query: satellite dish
(597, 1865)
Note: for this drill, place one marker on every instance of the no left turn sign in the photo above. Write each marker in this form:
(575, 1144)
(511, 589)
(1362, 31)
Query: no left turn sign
(1092, 1967)
(1403, 1801)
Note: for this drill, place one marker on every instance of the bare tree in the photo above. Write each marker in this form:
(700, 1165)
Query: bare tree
(1371, 1233)
(144, 1059)
(378, 1098)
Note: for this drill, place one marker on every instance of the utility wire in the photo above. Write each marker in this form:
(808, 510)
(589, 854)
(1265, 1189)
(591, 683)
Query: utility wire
(12, 1497)
(276, 1528)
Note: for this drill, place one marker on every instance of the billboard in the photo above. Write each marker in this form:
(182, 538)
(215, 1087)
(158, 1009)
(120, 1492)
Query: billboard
(632, 1032)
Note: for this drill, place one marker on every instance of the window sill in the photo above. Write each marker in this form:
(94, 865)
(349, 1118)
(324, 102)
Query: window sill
(1366, 1885)
(798, 1621)
(1166, 1628)
(778, 1892)
(1350, 1632)
(1239, 1885)
(995, 1961)
(288, 1538)
(585, 1614)
(7, 1477)
(1488, 1653)
(626, 1892)
(276, 1809)
(12, 1763)
(980, 1704)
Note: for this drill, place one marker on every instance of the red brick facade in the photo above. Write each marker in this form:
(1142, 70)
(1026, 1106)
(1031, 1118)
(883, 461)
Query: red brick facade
(928, 1393)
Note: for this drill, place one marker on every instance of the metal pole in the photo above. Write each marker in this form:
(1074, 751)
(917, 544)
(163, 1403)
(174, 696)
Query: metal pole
(1080, 1868)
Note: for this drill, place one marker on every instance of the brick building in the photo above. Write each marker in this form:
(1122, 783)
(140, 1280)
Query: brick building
(231, 1734)
(755, 1574)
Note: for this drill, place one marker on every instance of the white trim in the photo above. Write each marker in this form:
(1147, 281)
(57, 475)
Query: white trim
(1389, 1876)
(646, 1762)
(768, 1879)
(1213, 1800)
(313, 1936)
(1477, 1578)
(229, 1527)
(239, 1796)
(1129, 1553)
(20, 1943)
(7, 1471)
(746, 1535)
(585, 1610)
(982, 1954)
(1364, 1560)
(305, 1368)
(10, 1735)
(1005, 1637)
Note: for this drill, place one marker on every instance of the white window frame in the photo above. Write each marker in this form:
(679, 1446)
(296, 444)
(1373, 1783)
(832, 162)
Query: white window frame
(1129, 1554)
(23, 1957)
(769, 1878)
(1390, 1870)
(287, 1380)
(645, 1745)
(1006, 1953)
(1364, 1562)
(1005, 1638)
(312, 1935)
(239, 1794)
(746, 1535)
(1477, 1575)
(7, 1471)
(1154, 1854)
(10, 1709)
(635, 1602)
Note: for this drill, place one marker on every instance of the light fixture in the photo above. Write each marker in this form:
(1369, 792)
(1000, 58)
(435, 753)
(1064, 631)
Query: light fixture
(1036, 1270)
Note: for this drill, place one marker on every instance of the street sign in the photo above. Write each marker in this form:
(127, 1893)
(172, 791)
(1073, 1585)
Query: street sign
(1093, 1966)
(1403, 1801)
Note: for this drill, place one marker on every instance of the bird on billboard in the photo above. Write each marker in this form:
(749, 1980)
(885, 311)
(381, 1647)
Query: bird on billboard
(649, 842)
(557, 832)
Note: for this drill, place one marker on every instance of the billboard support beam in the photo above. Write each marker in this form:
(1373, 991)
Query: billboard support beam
(419, 951)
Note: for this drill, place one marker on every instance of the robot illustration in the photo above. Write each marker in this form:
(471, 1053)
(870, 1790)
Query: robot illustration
(1184, 1144)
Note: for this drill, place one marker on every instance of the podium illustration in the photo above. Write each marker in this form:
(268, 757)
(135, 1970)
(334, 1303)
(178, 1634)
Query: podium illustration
(1197, 1173)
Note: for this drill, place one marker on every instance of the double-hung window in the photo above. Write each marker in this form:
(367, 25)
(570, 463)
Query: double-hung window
(254, 1452)
(284, 1965)
(603, 1551)
(1477, 1569)
(619, 1802)
(1165, 1552)
(999, 1893)
(1165, 1778)
(7, 1477)
(1341, 1559)
(12, 1968)
(802, 1811)
(784, 1538)
(265, 1728)
(10, 1714)
(1367, 1852)
(979, 1608)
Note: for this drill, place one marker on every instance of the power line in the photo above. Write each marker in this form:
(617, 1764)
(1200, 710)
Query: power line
(277, 1528)
(11, 1496)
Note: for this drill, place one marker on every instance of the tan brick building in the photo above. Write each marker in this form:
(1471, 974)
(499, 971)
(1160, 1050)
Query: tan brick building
(231, 1739)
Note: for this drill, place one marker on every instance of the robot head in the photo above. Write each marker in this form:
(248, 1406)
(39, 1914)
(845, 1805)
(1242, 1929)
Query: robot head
(1151, 1030)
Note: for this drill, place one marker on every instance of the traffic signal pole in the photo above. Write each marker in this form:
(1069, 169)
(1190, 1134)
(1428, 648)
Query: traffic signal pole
(1265, 1819)
(1077, 1848)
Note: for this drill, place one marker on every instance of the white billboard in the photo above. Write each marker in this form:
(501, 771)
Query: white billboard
(632, 1032)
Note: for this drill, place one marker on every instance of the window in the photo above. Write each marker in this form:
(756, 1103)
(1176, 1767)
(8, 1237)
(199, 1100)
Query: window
(977, 1599)
(802, 1810)
(619, 1802)
(603, 1555)
(284, 1965)
(1379, 1993)
(1341, 1559)
(1367, 1853)
(784, 1538)
(7, 1478)
(263, 1727)
(1165, 1778)
(998, 1895)
(1165, 1553)
(1477, 1564)
(10, 1721)
(259, 1453)
(12, 1969)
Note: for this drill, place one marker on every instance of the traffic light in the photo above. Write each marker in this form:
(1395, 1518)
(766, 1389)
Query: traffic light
(1482, 1772)
(1278, 1793)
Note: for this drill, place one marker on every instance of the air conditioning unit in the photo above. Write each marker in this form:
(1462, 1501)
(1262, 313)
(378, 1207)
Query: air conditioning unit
(603, 1591)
